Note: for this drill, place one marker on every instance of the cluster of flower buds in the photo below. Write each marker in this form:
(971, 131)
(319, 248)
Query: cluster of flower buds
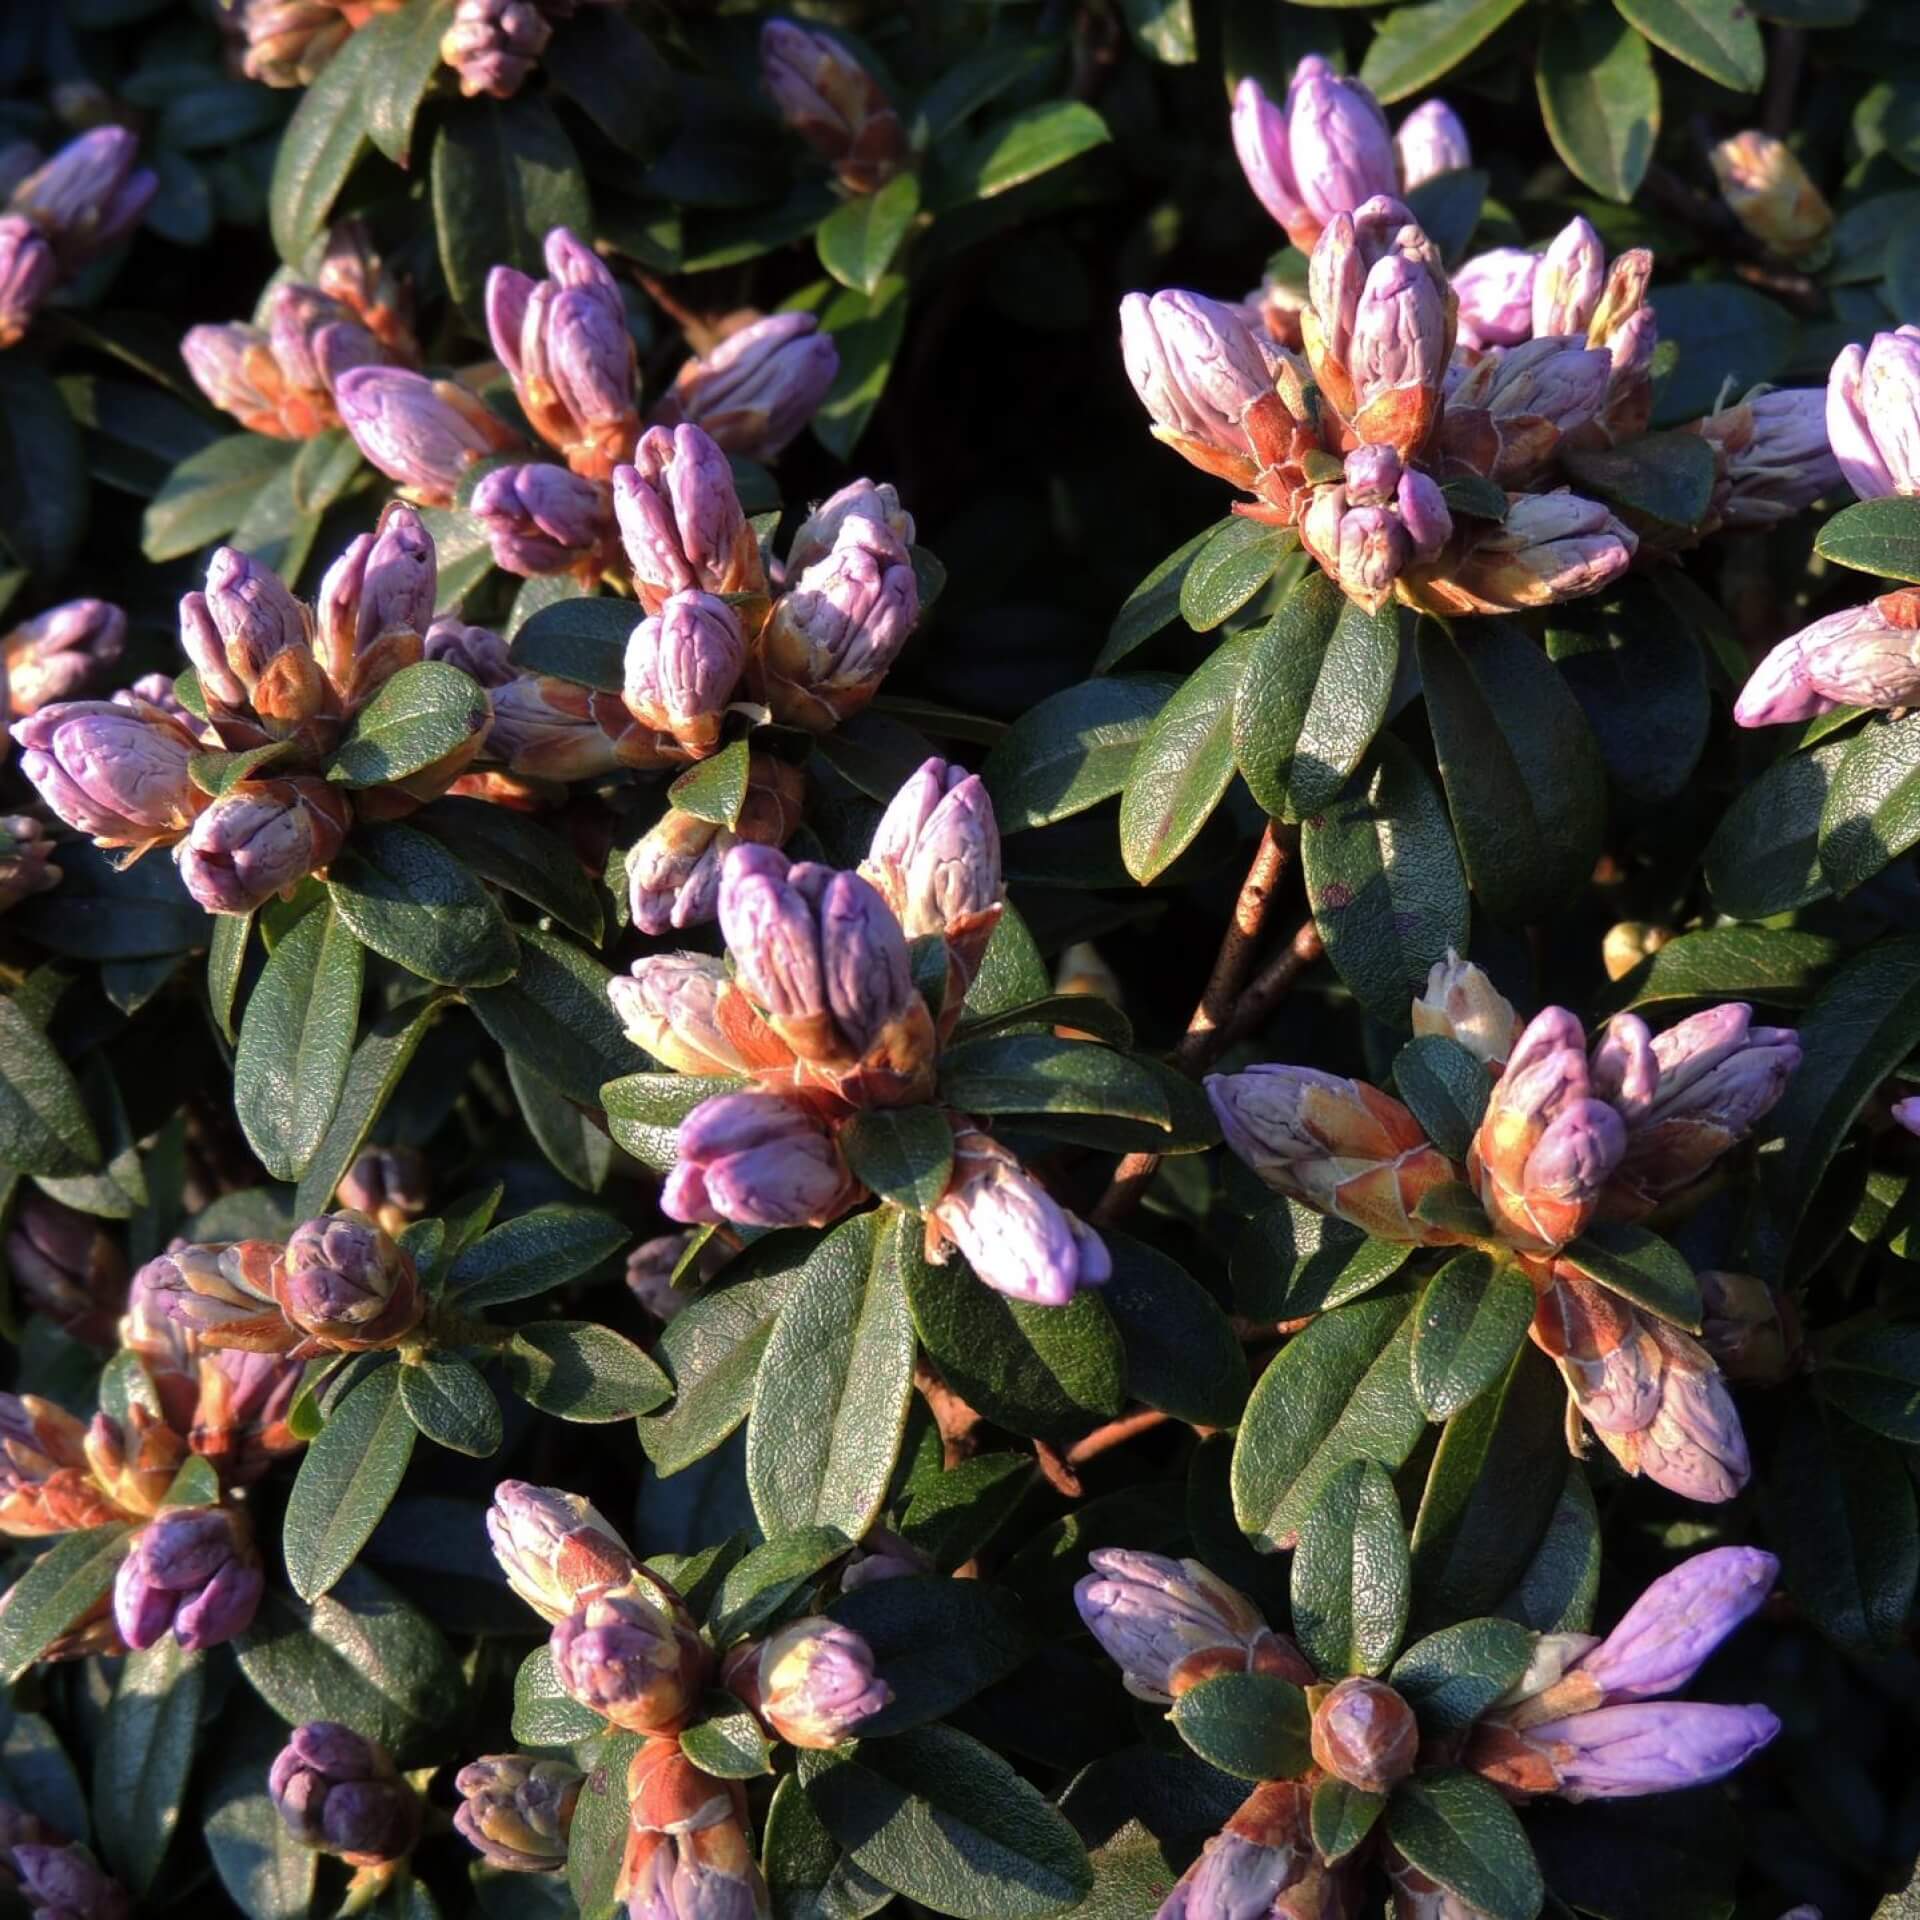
(60, 1475)
(1353, 444)
(289, 42)
(339, 1284)
(755, 390)
(517, 1811)
(1769, 192)
(421, 432)
(271, 671)
(41, 1874)
(1322, 150)
(1589, 1719)
(811, 1683)
(1263, 1862)
(688, 1850)
(63, 215)
(339, 1792)
(1170, 1624)
(493, 45)
(1771, 458)
(61, 654)
(193, 1572)
(278, 377)
(833, 103)
(66, 1265)
(632, 1654)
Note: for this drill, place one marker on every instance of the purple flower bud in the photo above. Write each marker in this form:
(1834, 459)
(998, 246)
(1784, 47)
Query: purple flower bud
(255, 617)
(348, 1285)
(193, 1572)
(1372, 475)
(1771, 456)
(1363, 550)
(840, 626)
(88, 197)
(815, 1683)
(1338, 142)
(1677, 1622)
(115, 771)
(546, 728)
(1016, 1237)
(680, 518)
(543, 518)
(1400, 331)
(1664, 1746)
(66, 1883)
(757, 1160)
(60, 654)
(494, 44)
(1364, 1733)
(1873, 414)
(1424, 513)
(670, 1004)
(1431, 141)
(1557, 379)
(935, 855)
(423, 433)
(65, 1265)
(816, 535)
(1260, 140)
(756, 389)
(632, 1653)
(375, 605)
(517, 1810)
(555, 1548)
(1197, 366)
(673, 873)
(1624, 1067)
(261, 837)
(341, 1793)
(314, 339)
(682, 667)
(827, 97)
(1153, 1615)
(478, 652)
(1551, 547)
(1865, 656)
(1566, 288)
(1495, 291)
(27, 276)
(1907, 1114)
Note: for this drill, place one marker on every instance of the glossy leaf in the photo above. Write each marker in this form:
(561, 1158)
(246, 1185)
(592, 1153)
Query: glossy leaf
(1457, 1830)
(409, 900)
(141, 1766)
(1641, 1267)
(1600, 98)
(451, 1404)
(578, 1370)
(347, 1478)
(1351, 1575)
(1251, 1725)
(905, 1154)
(1468, 1326)
(1073, 750)
(1719, 38)
(1291, 1261)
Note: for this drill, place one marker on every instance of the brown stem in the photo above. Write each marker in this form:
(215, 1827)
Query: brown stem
(1060, 1477)
(1116, 1433)
(1272, 983)
(958, 1423)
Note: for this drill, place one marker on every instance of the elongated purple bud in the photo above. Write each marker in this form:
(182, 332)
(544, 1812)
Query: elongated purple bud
(1338, 142)
(633, 1654)
(62, 653)
(1771, 455)
(827, 97)
(1666, 1746)
(261, 837)
(478, 652)
(1558, 379)
(193, 1572)
(1423, 511)
(1572, 272)
(493, 45)
(340, 1793)
(757, 1160)
(1016, 1237)
(669, 1004)
(1667, 1634)
(1865, 656)
(682, 667)
(935, 855)
(1400, 334)
(88, 197)
(27, 275)
(1197, 366)
(555, 1548)
(545, 728)
(65, 1882)
(756, 390)
(818, 533)
(1431, 141)
(1873, 414)
(1261, 1865)
(114, 770)
(680, 518)
(375, 605)
(423, 433)
(543, 518)
(815, 1683)
(1495, 291)
(1551, 547)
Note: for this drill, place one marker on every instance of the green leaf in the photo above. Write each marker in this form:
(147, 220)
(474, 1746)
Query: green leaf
(214, 773)
(1239, 559)
(1641, 1267)
(1385, 883)
(1251, 1725)
(1182, 1354)
(266, 1872)
(580, 1371)
(1556, 1589)
(226, 958)
(1291, 1261)
(1163, 30)
(935, 1642)
(43, 471)
(205, 497)
(321, 144)
(361, 1655)
(1524, 779)
(1152, 604)
(715, 789)
(38, 1778)
(540, 1249)
(1469, 1325)
(905, 1154)
(1719, 38)
(1447, 207)
(448, 1401)
(346, 1481)
(942, 1819)
(1034, 1370)
(413, 903)
(867, 329)
(44, 1128)
(644, 1110)
(1764, 856)
(808, 1873)
(543, 1715)
(323, 469)
(1875, 536)
(504, 175)
(758, 1587)
(1338, 1391)
(409, 58)
(1031, 141)
(1727, 335)
(1452, 1677)
(1350, 1575)
(296, 1042)
(519, 854)
(1082, 1012)
(1040, 1073)
(1341, 1817)
(1872, 814)
(555, 1016)
(831, 1403)
(1416, 45)
(1315, 690)
(1457, 1830)
(1872, 1374)
(378, 1062)
(727, 1743)
(119, 1190)
(1600, 98)
(197, 1484)
(1666, 478)
(1183, 767)
(56, 1592)
(583, 640)
(597, 1840)
(952, 1514)
(1073, 750)
(858, 240)
(141, 1765)
(423, 714)
(1447, 1088)
(1780, 966)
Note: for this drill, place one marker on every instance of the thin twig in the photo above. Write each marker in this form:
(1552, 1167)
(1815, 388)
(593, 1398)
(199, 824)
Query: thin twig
(1116, 1433)
(958, 1423)
(1783, 80)
(1060, 1476)
(1271, 984)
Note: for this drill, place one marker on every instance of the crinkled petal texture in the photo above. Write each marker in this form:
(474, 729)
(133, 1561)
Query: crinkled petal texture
(757, 1160)
(1015, 1235)
(1678, 1621)
(1662, 1746)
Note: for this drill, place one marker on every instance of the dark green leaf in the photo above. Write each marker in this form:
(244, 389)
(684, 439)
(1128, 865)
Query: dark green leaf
(935, 1642)
(580, 640)
(808, 1873)
(1032, 141)
(1780, 966)
(867, 329)
(1600, 98)
(1084, 1013)
(44, 1127)
(1040, 1073)
(205, 497)
(1152, 604)
(1182, 1354)
(1446, 1086)
(1238, 560)
(412, 902)
(580, 1371)
(1468, 1326)
(1872, 1374)
(1764, 856)
(953, 1514)
(56, 1592)
(644, 1111)
(758, 1587)
(1727, 334)
(141, 1765)
(1452, 1677)
(423, 714)
(554, 1014)
(1251, 1725)
(858, 240)
(1350, 1574)
(347, 1479)
(1719, 38)
(1416, 45)
(905, 1154)
(214, 773)
(1457, 1830)
(1342, 1817)
(727, 1743)
(1291, 1261)
(1872, 814)
(1073, 750)
(538, 1250)
(1640, 1267)
(543, 1715)
(323, 140)
(323, 469)
(1875, 536)
(519, 854)
(715, 789)
(597, 1840)
(448, 1401)
(409, 58)
(43, 471)
(267, 1873)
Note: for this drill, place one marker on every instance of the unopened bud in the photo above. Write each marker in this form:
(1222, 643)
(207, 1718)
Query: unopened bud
(389, 1185)
(554, 1547)
(817, 534)
(62, 654)
(46, 1483)
(65, 1882)
(672, 1007)
(1015, 1236)
(1771, 195)
(757, 1160)
(1431, 141)
(1463, 1004)
(827, 97)
(547, 729)
(1321, 153)
(1616, 1753)
(1551, 547)
(478, 652)
(1197, 366)
(1751, 1329)
(633, 1654)
(935, 858)
(542, 519)
(682, 667)
(26, 860)
(1364, 1734)
(1566, 289)
(517, 1810)
(756, 389)
(67, 1266)
(375, 606)
(223, 1293)
(423, 433)
(814, 1685)
(1771, 457)
(1859, 657)
(28, 273)
(114, 770)
(193, 1572)
(1495, 292)
(88, 197)
(341, 1793)
(1873, 414)
(494, 44)
(262, 837)
(347, 1285)
(681, 521)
